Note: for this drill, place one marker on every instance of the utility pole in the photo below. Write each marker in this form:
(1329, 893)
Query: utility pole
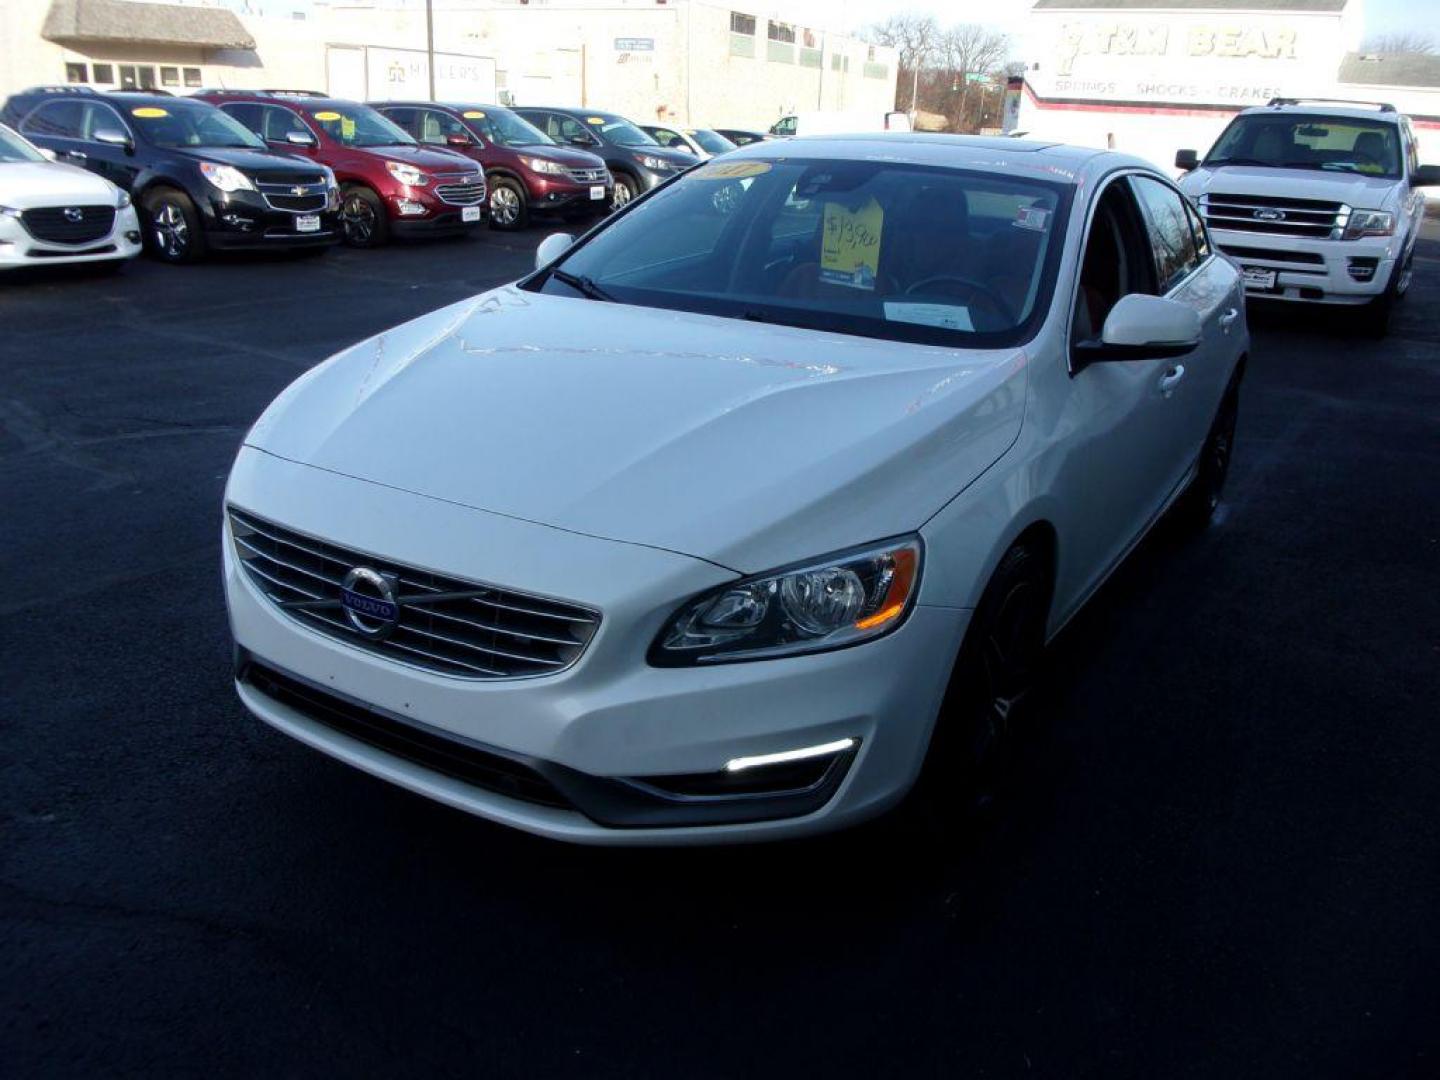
(430, 45)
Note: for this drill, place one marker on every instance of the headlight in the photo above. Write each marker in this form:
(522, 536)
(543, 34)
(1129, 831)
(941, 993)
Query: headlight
(851, 597)
(408, 175)
(658, 164)
(540, 165)
(1369, 223)
(226, 177)
(123, 201)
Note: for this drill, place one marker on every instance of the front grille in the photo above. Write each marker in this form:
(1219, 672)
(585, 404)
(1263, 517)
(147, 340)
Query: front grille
(1275, 216)
(289, 179)
(40, 253)
(468, 189)
(54, 224)
(444, 624)
(419, 743)
(296, 196)
(1309, 258)
(588, 176)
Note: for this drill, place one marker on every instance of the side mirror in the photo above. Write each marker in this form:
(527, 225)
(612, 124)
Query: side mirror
(551, 248)
(1426, 176)
(1142, 327)
(580, 140)
(1187, 160)
(459, 140)
(299, 138)
(113, 137)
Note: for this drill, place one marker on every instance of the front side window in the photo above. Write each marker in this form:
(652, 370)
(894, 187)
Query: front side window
(179, 123)
(56, 119)
(277, 125)
(1117, 262)
(666, 137)
(1168, 227)
(357, 125)
(436, 127)
(1297, 141)
(876, 249)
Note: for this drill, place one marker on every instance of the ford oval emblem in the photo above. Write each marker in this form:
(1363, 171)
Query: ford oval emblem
(368, 598)
(1267, 214)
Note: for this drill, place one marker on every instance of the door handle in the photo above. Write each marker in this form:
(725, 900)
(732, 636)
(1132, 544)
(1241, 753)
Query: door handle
(1228, 319)
(78, 155)
(1171, 379)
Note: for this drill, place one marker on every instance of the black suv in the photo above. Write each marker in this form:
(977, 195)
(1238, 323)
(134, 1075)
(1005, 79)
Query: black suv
(637, 161)
(199, 178)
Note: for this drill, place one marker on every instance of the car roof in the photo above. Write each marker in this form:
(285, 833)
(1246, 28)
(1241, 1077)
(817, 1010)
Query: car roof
(1318, 108)
(140, 97)
(1036, 160)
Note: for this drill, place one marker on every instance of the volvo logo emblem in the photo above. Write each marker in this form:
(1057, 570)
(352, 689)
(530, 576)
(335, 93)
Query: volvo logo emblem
(368, 598)
(1267, 214)
(74, 213)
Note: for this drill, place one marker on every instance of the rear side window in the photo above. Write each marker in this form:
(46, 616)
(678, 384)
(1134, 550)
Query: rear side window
(278, 124)
(1168, 226)
(436, 126)
(249, 115)
(57, 119)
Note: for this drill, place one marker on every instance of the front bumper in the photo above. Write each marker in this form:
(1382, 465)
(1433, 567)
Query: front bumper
(548, 195)
(596, 728)
(243, 219)
(19, 248)
(418, 212)
(1312, 270)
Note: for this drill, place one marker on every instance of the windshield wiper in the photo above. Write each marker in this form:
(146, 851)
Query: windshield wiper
(1239, 161)
(583, 285)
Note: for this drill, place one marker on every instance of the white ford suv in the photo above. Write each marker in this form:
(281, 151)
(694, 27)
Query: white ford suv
(1317, 201)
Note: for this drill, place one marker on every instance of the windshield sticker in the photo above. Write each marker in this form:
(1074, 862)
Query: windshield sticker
(473, 114)
(149, 113)
(1032, 217)
(850, 252)
(347, 127)
(598, 121)
(945, 316)
(732, 170)
(327, 117)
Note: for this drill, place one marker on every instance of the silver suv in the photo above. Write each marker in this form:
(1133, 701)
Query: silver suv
(1319, 201)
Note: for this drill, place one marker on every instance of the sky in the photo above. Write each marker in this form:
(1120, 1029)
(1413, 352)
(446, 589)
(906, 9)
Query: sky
(1381, 16)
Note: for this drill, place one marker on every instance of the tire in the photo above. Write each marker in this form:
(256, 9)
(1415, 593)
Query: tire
(626, 188)
(363, 219)
(1198, 503)
(993, 678)
(509, 205)
(173, 232)
(1375, 316)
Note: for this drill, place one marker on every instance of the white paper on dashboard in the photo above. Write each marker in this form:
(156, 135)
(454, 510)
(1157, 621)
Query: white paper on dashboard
(948, 316)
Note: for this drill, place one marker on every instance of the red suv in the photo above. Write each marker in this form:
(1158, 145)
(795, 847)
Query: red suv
(389, 185)
(528, 172)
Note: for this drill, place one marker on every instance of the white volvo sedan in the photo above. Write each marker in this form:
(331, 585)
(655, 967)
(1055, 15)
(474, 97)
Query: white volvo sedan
(761, 496)
(53, 213)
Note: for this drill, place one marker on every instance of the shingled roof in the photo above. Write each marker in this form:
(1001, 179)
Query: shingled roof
(121, 23)
(1390, 69)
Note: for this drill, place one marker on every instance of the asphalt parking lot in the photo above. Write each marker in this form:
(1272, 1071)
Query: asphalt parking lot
(1220, 853)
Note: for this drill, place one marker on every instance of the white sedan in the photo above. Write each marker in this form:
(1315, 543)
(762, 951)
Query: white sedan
(740, 511)
(51, 213)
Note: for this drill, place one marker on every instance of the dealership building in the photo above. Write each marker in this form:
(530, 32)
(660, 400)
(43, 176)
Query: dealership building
(1152, 76)
(684, 61)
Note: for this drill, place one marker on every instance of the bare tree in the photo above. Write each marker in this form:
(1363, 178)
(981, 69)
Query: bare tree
(913, 35)
(1407, 41)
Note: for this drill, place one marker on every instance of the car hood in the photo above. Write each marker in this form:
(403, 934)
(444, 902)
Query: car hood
(424, 157)
(664, 153)
(745, 444)
(27, 184)
(570, 158)
(1361, 192)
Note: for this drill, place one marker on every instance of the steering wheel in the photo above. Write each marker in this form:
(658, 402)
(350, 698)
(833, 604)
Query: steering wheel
(974, 286)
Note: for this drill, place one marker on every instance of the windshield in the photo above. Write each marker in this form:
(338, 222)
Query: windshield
(191, 123)
(1290, 141)
(13, 148)
(620, 131)
(875, 249)
(711, 141)
(503, 128)
(358, 125)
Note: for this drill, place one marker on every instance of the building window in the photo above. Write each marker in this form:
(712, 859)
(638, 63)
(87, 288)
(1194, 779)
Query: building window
(742, 24)
(783, 32)
(807, 39)
(169, 76)
(192, 77)
(102, 73)
(147, 77)
(75, 73)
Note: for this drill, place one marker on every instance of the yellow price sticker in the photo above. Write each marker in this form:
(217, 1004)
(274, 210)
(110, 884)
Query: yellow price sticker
(149, 112)
(596, 120)
(473, 114)
(732, 170)
(347, 128)
(327, 117)
(850, 250)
